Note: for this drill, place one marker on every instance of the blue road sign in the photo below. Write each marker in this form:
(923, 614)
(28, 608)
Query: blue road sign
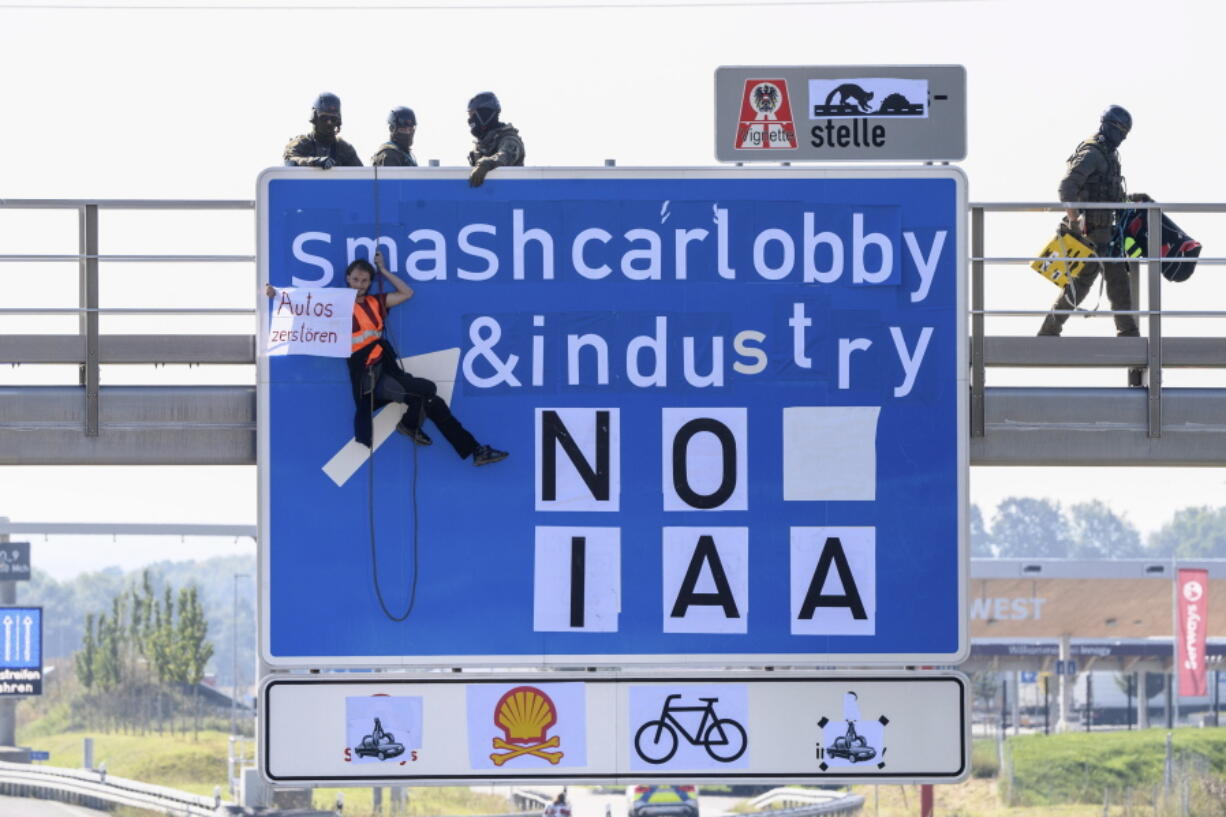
(39, 754)
(21, 651)
(734, 402)
(1030, 677)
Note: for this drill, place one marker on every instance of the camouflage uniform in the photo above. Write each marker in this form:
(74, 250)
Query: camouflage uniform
(301, 149)
(1094, 174)
(502, 144)
(391, 154)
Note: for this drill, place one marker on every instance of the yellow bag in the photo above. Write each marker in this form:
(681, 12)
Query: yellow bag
(1057, 261)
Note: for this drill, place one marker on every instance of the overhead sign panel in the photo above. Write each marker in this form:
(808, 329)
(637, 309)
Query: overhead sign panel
(734, 402)
(613, 728)
(14, 561)
(21, 651)
(772, 113)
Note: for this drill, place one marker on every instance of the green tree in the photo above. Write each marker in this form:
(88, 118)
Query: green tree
(85, 657)
(1098, 533)
(1024, 527)
(192, 645)
(981, 542)
(1193, 533)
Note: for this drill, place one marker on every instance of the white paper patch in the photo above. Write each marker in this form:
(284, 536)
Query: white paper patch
(689, 727)
(522, 726)
(576, 580)
(311, 321)
(705, 459)
(830, 453)
(834, 581)
(382, 729)
(706, 580)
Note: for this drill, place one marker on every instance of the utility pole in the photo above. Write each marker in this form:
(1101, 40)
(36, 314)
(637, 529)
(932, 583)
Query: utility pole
(234, 651)
(8, 706)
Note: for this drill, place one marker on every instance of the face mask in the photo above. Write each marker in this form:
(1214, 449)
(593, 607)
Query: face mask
(479, 124)
(1113, 134)
(326, 128)
(402, 140)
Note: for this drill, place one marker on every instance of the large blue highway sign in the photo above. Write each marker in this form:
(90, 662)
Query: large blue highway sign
(734, 402)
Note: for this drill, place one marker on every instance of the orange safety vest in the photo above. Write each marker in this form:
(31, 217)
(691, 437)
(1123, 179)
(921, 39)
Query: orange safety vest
(367, 326)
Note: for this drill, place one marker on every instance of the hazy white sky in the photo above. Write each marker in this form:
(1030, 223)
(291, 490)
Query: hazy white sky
(104, 99)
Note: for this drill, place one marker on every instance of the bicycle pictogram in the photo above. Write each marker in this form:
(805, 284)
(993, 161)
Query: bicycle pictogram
(724, 739)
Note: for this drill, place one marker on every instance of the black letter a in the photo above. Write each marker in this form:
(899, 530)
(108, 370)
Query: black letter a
(832, 552)
(705, 551)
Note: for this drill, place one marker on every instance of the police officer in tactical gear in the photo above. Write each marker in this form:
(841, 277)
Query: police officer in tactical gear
(497, 143)
(402, 125)
(322, 147)
(1094, 175)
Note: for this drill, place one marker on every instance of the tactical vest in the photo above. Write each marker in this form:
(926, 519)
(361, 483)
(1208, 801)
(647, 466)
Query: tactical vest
(1105, 186)
(404, 154)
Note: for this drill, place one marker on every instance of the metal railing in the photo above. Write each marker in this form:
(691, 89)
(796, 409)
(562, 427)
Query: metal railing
(88, 259)
(1152, 362)
(88, 349)
(97, 789)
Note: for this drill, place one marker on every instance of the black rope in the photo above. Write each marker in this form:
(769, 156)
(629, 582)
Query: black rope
(370, 493)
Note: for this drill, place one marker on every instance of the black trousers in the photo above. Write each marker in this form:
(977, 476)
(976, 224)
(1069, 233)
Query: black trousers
(1119, 290)
(421, 400)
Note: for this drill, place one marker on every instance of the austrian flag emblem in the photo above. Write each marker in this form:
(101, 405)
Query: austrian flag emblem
(766, 117)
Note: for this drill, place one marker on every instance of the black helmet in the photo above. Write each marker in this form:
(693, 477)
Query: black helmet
(401, 117)
(1116, 115)
(485, 101)
(326, 103)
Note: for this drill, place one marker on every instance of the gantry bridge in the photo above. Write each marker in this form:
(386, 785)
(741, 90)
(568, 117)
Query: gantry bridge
(160, 423)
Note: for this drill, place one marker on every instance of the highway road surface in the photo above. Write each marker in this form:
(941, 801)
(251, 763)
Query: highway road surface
(28, 807)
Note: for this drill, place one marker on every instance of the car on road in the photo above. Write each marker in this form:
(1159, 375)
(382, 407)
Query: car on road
(662, 801)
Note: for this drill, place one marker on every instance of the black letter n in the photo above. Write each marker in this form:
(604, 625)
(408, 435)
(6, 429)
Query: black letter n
(555, 433)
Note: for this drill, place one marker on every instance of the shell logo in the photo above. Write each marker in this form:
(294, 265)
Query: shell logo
(524, 714)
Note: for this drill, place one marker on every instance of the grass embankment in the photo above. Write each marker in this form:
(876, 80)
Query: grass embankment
(1122, 767)
(197, 765)
(178, 761)
(1071, 775)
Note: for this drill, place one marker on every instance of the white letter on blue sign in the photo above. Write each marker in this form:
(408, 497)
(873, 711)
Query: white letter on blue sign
(910, 362)
(489, 256)
(859, 241)
(812, 241)
(519, 240)
(305, 257)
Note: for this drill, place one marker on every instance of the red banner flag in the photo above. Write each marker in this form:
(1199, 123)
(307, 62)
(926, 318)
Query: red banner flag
(1192, 604)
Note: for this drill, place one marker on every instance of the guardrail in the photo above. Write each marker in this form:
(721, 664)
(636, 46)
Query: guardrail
(792, 802)
(97, 789)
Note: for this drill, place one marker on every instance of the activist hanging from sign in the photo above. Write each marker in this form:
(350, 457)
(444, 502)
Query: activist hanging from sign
(311, 321)
(734, 402)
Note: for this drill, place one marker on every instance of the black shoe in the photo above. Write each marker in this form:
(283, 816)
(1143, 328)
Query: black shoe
(416, 435)
(1135, 379)
(484, 455)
